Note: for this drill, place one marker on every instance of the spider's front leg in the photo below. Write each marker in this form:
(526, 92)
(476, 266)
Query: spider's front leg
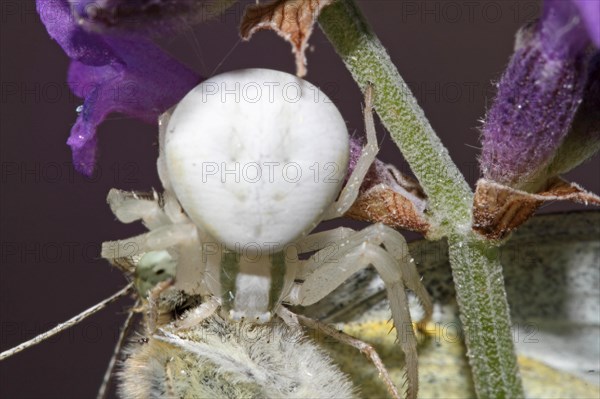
(131, 206)
(367, 156)
(326, 273)
(322, 239)
(164, 237)
(169, 229)
(331, 242)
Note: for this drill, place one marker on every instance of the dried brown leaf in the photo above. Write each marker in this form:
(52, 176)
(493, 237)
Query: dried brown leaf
(499, 209)
(291, 19)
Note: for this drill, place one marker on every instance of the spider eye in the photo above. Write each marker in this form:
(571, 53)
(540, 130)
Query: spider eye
(256, 156)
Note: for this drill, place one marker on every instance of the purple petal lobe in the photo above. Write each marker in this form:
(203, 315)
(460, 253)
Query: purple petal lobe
(537, 98)
(130, 75)
(590, 13)
(561, 31)
(78, 44)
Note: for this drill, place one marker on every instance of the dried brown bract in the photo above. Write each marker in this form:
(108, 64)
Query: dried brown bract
(291, 19)
(392, 198)
(499, 209)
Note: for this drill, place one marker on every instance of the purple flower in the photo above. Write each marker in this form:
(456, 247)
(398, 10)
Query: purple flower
(126, 74)
(583, 139)
(539, 94)
(150, 17)
(590, 13)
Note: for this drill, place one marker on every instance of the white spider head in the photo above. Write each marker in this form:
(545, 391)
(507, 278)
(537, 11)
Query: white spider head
(255, 157)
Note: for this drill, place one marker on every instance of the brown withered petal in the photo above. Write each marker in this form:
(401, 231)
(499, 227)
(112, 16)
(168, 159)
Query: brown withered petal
(291, 19)
(398, 202)
(499, 209)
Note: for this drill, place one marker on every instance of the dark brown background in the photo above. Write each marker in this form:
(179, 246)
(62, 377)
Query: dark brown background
(53, 221)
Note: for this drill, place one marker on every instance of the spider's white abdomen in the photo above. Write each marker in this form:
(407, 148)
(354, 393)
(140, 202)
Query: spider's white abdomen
(256, 156)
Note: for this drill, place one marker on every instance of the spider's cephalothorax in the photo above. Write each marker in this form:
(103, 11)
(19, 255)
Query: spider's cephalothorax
(251, 162)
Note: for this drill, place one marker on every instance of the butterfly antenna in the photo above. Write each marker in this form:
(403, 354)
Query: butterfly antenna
(67, 324)
(113, 360)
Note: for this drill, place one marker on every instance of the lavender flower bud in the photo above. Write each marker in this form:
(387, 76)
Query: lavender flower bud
(538, 97)
(583, 139)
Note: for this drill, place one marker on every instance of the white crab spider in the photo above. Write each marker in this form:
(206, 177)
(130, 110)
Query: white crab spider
(236, 235)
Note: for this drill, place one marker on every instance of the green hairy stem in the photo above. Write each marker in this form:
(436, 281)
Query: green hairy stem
(476, 269)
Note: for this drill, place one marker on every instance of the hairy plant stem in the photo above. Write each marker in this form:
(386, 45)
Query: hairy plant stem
(476, 270)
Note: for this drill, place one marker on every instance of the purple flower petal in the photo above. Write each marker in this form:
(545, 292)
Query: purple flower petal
(78, 44)
(561, 31)
(590, 13)
(130, 75)
(537, 98)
